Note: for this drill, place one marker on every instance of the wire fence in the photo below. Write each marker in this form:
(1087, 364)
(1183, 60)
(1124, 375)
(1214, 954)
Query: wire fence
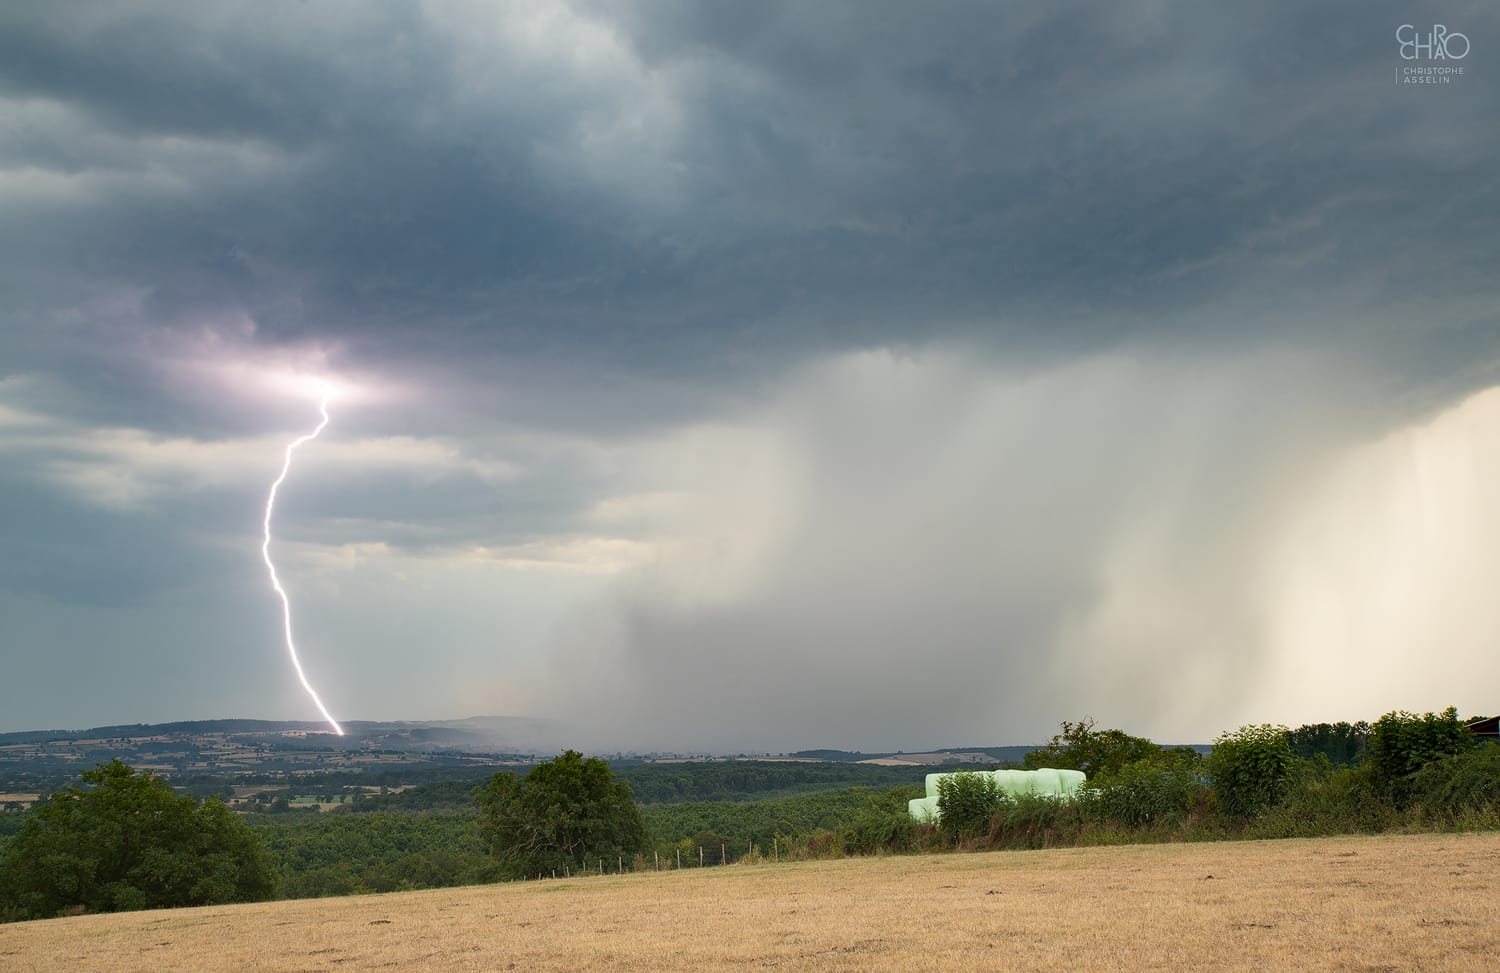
(706, 857)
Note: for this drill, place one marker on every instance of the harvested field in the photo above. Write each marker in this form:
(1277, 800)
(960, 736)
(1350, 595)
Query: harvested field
(1423, 902)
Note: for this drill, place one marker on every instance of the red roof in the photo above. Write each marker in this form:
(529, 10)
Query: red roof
(1488, 727)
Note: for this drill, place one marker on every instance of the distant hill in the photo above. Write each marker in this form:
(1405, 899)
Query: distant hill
(39, 761)
(1013, 754)
(490, 734)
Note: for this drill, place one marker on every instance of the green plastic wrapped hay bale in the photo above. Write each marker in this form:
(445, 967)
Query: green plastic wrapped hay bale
(1014, 783)
(923, 809)
(1047, 781)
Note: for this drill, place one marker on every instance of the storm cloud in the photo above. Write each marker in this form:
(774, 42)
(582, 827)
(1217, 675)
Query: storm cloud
(748, 376)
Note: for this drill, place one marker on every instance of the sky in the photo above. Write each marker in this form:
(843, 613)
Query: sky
(752, 377)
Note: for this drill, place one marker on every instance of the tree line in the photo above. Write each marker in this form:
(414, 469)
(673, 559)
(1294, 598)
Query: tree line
(1405, 771)
(126, 840)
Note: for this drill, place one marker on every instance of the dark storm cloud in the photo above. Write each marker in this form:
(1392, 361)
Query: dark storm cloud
(71, 554)
(604, 223)
(1088, 157)
(419, 511)
(833, 176)
(84, 528)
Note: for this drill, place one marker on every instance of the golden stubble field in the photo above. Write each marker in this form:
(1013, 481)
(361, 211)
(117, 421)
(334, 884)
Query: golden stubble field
(1422, 902)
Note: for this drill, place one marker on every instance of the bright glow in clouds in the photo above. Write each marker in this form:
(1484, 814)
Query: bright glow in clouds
(218, 363)
(265, 553)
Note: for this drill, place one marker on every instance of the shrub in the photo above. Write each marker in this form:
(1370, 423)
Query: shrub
(1251, 768)
(883, 824)
(1325, 799)
(1037, 821)
(966, 803)
(1402, 743)
(822, 844)
(1467, 781)
(1146, 791)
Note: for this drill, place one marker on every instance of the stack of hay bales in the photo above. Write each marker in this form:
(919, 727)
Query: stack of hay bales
(1046, 780)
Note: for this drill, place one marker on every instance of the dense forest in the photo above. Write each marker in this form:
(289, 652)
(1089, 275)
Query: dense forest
(1402, 772)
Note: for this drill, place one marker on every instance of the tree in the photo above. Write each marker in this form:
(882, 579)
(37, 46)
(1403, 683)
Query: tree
(565, 813)
(127, 841)
(1251, 768)
(1402, 744)
(1095, 752)
(1341, 743)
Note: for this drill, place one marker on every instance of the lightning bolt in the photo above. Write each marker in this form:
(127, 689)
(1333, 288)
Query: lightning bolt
(265, 553)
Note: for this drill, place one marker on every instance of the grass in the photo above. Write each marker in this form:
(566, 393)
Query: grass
(1365, 904)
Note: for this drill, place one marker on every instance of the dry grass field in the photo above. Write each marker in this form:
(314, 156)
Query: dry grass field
(1425, 902)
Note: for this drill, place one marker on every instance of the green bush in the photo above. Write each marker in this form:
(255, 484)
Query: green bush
(1325, 799)
(819, 844)
(1251, 768)
(1466, 781)
(966, 803)
(1402, 744)
(1038, 821)
(1146, 791)
(883, 824)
